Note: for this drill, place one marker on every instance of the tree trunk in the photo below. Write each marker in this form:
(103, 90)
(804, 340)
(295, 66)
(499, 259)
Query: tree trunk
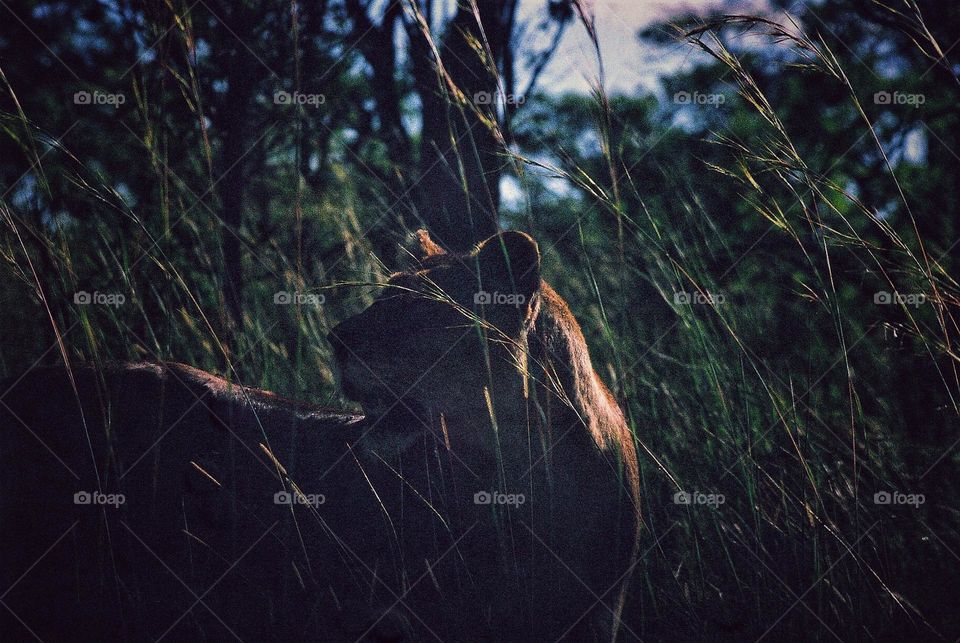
(458, 195)
(234, 124)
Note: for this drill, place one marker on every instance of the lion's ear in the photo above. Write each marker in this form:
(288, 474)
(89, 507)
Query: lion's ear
(426, 247)
(510, 263)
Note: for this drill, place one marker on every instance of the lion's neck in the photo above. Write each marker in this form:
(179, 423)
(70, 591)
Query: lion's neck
(562, 367)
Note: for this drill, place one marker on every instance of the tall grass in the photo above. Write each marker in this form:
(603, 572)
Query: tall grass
(772, 384)
(781, 399)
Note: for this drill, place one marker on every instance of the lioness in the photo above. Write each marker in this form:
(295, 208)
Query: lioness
(490, 492)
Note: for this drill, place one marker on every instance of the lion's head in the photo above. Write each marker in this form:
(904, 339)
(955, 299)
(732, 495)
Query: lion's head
(446, 330)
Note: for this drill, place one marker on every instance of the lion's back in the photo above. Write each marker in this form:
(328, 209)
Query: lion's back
(133, 487)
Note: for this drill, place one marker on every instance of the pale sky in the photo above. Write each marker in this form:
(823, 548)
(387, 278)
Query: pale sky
(627, 64)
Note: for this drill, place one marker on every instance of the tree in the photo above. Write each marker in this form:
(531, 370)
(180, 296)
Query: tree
(464, 82)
